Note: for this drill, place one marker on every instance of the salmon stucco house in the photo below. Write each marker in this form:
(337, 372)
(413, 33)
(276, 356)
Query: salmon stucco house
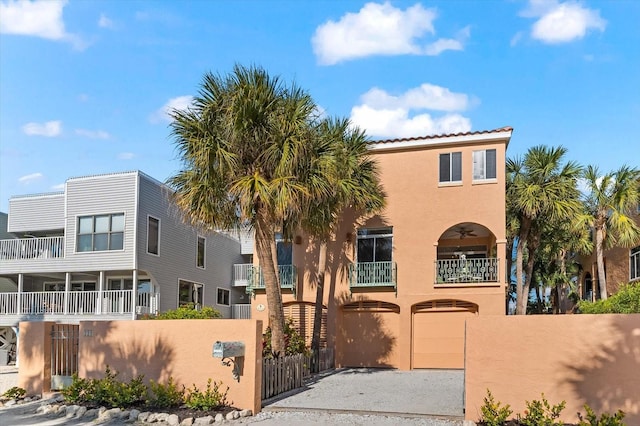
(399, 285)
(107, 247)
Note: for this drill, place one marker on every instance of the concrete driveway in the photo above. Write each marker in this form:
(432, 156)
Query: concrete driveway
(368, 390)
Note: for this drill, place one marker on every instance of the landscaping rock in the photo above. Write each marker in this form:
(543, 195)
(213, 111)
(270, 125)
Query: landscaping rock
(133, 414)
(233, 415)
(91, 413)
(204, 420)
(219, 418)
(173, 420)
(71, 411)
(153, 417)
(162, 417)
(10, 402)
(246, 413)
(187, 422)
(142, 417)
(81, 412)
(124, 414)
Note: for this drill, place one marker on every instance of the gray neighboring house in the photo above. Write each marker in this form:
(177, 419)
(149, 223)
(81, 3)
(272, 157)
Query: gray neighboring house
(109, 247)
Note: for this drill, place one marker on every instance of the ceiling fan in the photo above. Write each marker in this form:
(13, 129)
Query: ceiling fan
(464, 232)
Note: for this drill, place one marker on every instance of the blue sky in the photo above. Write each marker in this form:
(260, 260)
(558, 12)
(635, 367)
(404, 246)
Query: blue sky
(84, 85)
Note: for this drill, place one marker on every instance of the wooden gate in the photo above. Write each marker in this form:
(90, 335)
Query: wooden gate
(64, 354)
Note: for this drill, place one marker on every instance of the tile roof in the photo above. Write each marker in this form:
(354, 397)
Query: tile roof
(419, 138)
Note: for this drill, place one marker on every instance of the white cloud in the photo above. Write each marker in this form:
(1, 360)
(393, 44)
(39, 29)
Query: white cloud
(49, 129)
(104, 22)
(516, 38)
(180, 103)
(27, 179)
(126, 156)
(381, 29)
(562, 22)
(58, 187)
(40, 18)
(93, 134)
(389, 116)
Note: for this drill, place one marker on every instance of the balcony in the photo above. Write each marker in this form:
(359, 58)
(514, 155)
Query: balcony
(462, 271)
(241, 311)
(32, 248)
(74, 305)
(242, 274)
(373, 274)
(288, 275)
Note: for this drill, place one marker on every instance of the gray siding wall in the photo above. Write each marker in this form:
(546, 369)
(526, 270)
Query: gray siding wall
(178, 248)
(97, 195)
(36, 213)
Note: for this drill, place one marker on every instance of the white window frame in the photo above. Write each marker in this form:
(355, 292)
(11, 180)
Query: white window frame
(93, 233)
(483, 176)
(149, 218)
(193, 285)
(450, 181)
(634, 258)
(204, 252)
(218, 296)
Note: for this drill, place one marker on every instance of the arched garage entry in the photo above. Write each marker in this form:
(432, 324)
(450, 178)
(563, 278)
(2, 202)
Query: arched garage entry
(437, 339)
(368, 333)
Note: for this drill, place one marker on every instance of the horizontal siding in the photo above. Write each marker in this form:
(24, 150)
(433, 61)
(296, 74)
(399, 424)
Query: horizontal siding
(177, 258)
(36, 213)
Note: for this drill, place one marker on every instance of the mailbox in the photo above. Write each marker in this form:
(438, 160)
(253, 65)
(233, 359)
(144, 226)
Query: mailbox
(228, 349)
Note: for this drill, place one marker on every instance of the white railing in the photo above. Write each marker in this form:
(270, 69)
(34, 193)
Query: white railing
(77, 303)
(242, 274)
(451, 271)
(241, 311)
(32, 248)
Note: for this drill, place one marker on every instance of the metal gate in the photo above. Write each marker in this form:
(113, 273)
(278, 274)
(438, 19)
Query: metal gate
(64, 354)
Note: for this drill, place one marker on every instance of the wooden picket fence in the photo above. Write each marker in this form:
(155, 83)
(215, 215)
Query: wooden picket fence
(289, 372)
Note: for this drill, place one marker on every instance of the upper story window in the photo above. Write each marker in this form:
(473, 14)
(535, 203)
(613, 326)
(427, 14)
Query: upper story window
(634, 263)
(451, 167)
(101, 232)
(284, 250)
(484, 164)
(374, 245)
(223, 297)
(153, 235)
(201, 252)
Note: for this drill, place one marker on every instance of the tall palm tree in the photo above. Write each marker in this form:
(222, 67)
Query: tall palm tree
(243, 145)
(610, 200)
(539, 188)
(353, 182)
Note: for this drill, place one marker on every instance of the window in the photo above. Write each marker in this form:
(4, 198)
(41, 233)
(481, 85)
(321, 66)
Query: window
(284, 250)
(223, 297)
(375, 245)
(189, 292)
(153, 235)
(634, 263)
(200, 252)
(451, 167)
(75, 286)
(484, 164)
(101, 232)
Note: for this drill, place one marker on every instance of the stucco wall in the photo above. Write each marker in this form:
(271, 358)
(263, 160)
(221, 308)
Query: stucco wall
(582, 359)
(34, 352)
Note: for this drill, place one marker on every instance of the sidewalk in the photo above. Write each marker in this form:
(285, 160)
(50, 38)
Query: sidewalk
(8, 377)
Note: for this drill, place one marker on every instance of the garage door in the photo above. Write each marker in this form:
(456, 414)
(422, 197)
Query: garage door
(438, 333)
(368, 334)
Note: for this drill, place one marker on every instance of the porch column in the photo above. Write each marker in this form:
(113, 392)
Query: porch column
(100, 293)
(134, 294)
(20, 290)
(501, 254)
(67, 289)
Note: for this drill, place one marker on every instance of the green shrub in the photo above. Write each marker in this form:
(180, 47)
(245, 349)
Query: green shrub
(605, 419)
(166, 396)
(294, 342)
(492, 412)
(76, 392)
(541, 413)
(208, 399)
(15, 393)
(188, 311)
(625, 301)
(107, 391)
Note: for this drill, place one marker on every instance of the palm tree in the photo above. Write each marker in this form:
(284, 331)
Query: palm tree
(353, 180)
(243, 144)
(610, 200)
(539, 188)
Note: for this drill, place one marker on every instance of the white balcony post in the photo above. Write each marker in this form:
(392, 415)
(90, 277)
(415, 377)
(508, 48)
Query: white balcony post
(100, 293)
(134, 293)
(67, 289)
(20, 290)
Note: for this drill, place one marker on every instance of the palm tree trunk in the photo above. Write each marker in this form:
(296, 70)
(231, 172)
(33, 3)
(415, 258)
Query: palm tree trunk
(317, 313)
(265, 239)
(602, 280)
(521, 308)
(532, 245)
(509, 264)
